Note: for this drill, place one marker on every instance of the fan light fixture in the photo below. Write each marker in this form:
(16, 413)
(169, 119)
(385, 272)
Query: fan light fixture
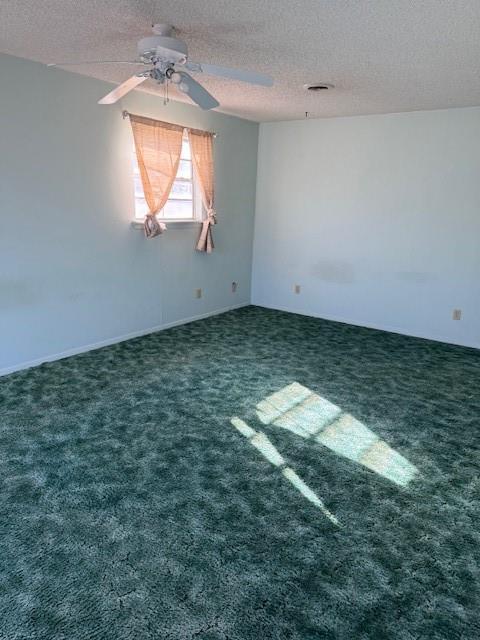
(165, 59)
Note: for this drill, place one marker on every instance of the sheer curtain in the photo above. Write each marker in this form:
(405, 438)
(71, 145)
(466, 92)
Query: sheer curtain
(201, 145)
(158, 146)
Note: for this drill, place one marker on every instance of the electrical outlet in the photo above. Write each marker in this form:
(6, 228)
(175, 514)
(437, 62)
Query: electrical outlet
(234, 287)
(457, 314)
(198, 293)
(296, 288)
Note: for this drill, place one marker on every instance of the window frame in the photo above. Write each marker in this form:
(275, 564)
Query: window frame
(198, 210)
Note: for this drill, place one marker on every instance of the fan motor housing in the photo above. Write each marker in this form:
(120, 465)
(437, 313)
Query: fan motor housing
(164, 47)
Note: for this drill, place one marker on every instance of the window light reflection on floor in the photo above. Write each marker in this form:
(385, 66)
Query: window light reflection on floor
(310, 416)
(260, 441)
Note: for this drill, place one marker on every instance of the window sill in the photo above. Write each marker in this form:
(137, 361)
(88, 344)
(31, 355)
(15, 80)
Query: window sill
(138, 224)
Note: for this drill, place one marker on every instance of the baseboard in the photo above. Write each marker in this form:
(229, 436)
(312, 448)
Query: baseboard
(109, 341)
(387, 328)
(137, 334)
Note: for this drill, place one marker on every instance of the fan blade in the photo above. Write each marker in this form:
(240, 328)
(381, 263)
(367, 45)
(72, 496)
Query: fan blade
(122, 89)
(196, 92)
(76, 64)
(233, 74)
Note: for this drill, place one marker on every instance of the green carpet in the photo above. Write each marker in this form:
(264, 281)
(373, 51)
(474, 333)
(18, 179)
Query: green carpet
(341, 502)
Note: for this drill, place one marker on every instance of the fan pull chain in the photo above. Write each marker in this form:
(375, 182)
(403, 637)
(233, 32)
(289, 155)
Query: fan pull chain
(152, 20)
(165, 93)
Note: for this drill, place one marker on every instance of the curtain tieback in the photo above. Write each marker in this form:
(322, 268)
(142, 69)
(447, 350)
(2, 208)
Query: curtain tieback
(205, 240)
(152, 226)
(211, 216)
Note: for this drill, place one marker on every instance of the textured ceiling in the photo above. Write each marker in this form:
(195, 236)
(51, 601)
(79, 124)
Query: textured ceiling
(381, 55)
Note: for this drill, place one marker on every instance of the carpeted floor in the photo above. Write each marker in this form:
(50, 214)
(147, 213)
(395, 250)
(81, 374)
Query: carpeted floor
(256, 475)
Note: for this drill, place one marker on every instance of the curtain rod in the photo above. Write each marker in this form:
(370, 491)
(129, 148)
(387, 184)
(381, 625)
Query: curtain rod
(126, 114)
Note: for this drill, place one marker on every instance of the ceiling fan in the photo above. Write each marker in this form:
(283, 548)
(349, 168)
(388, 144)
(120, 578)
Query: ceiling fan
(167, 60)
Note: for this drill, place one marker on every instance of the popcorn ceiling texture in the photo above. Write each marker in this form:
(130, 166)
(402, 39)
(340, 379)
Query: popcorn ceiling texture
(382, 55)
(132, 509)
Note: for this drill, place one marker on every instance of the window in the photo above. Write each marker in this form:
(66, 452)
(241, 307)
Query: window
(184, 203)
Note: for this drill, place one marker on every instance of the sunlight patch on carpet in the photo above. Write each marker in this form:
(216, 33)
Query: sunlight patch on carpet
(260, 441)
(306, 414)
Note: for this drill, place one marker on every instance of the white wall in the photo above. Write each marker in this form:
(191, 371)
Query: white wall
(376, 217)
(72, 270)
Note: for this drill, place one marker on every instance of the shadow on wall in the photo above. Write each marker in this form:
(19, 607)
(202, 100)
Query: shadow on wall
(314, 418)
